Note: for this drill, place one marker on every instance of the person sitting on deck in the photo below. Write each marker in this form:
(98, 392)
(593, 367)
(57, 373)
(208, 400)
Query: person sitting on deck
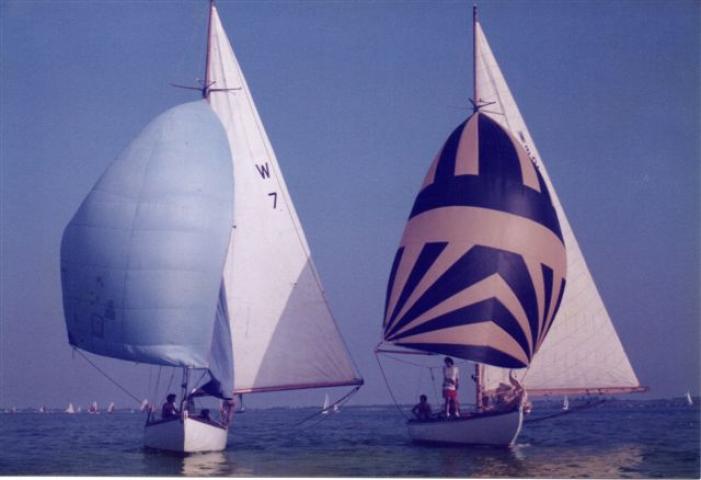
(450, 388)
(226, 412)
(168, 410)
(422, 410)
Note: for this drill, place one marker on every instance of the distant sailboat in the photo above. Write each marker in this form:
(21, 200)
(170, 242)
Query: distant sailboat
(188, 252)
(70, 408)
(689, 400)
(566, 403)
(110, 408)
(93, 409)
(42, 409)
(144, 407)
(79, 409)
(325, 406)
(481, 270)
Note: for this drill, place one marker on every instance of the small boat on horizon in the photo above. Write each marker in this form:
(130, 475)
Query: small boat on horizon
(70, 409)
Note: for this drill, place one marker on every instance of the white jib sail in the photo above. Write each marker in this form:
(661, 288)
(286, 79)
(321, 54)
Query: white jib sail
(282, 330)
(582, 351)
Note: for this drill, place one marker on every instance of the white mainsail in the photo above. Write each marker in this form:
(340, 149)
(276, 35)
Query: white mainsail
(582, 353)
(282, 330)
(70, 408)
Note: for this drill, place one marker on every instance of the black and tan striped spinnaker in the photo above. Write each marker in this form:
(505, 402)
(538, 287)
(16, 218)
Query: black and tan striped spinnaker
(480, 271)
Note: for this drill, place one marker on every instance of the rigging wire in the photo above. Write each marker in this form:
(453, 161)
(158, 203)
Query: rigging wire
(107, 376)
(566, 412)
(341, 401)
(384, 376)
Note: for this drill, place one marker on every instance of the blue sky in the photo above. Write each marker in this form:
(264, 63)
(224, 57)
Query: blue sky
(357, 97)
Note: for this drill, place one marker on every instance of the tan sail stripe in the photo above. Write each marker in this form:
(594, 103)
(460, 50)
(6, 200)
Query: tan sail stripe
(467, 156)
(491, 287)
(556, 288)
(431, 174)
(485, 334)
(448, 257)
(480, 226)
(536, 272)
(528, 172)
(409, 257)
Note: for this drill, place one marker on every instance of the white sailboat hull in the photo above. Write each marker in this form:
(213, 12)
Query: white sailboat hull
(185, 435)
(496, 429)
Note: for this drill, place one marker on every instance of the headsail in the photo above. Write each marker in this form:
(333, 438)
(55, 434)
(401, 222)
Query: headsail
(481, 265)
(283, 334)
(141, 260)
(582, 352)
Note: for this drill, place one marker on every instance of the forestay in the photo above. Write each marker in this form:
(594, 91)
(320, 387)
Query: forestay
(582, 352)
(141, 260)
(283, 334)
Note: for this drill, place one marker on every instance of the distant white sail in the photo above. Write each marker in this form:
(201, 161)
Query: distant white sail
(282, 330)
(70, 408)
(582, 352)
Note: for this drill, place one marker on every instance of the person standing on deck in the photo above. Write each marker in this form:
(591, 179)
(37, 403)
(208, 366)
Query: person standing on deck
(450, 388)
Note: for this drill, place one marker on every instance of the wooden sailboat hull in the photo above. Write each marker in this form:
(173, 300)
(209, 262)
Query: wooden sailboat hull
(496, 429)
(185, 435)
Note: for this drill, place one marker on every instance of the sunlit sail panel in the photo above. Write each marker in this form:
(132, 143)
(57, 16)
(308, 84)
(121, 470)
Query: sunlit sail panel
(141, 259)
(582, 352)
(481, 265)
(283, 333)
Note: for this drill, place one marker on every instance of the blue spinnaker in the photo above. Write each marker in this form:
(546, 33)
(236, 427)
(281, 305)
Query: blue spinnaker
(142, 259)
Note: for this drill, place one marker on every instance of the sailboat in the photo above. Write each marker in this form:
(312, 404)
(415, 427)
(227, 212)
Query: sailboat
(188, 252)
(93, 409)
(488, 270)
(144, 406)
(110, 407)
(688, 398)
(565, 403)
(70, 408)
(325, 406)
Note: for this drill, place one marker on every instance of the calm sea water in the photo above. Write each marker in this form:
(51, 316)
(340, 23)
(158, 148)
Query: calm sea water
(621, 441)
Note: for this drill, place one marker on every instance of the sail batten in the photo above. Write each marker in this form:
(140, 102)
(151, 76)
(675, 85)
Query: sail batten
(283, 333)
(582, 348)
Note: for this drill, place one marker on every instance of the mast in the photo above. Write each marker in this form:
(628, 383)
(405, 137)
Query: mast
(205, 86)
(478, 387)
(475, 105)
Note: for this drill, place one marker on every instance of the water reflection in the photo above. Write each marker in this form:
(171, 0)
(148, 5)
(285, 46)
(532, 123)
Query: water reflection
(212, 464)
(563, 462)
